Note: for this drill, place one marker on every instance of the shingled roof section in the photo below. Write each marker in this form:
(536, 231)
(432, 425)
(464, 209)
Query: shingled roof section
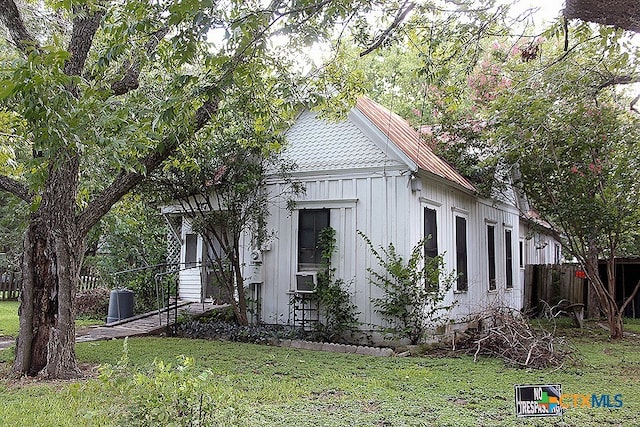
(319, 145)
(406, 138)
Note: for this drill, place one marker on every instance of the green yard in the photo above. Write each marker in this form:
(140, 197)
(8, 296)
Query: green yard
(9, 323)
(260, 385)
(8, 318)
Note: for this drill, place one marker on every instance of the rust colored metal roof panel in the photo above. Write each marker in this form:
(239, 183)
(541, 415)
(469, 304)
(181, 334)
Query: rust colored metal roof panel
(400, 132)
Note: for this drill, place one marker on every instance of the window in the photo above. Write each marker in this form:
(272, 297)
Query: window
(521, 253)
(491, 254)
(508, 250)
(191, 250)
(430, 234)
(461, 254)
(310, 223)
(556, 254)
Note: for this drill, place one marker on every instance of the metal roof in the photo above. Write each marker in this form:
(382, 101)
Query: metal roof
(407, 139)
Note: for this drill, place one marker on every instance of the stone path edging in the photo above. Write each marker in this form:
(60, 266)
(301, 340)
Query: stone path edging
(337, 348)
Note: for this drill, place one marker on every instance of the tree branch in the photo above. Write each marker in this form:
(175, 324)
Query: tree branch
(16, 188)
(617, 80)
(404, 10)
(130, 80)
(85, 25)
(125, 181)
(10, 17)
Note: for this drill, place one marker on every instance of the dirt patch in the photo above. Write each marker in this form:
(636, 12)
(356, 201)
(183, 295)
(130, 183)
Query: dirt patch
(13, 381)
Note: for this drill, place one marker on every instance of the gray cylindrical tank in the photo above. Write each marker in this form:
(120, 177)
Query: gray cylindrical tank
(120, 305)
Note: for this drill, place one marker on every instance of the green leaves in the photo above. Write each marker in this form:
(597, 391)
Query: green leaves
(414, 290)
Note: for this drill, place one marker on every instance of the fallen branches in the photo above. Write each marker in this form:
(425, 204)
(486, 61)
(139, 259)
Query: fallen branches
(505, 334)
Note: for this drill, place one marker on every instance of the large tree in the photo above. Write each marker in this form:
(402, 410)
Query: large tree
(548, 117)
(551, 120)
(100, 94)
(571, 143)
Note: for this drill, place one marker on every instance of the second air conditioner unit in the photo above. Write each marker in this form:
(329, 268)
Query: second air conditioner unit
(306, 282)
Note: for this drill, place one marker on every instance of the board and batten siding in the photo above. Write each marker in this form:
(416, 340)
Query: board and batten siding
(387, 209)
(448, 203)
(375, 204)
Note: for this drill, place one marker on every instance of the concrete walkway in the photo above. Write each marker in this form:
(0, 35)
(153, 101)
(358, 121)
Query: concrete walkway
(151, 323)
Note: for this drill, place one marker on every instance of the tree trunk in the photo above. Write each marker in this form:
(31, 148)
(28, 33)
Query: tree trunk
(606, 295)
(620, 13)
(53, 254)
(614, 316)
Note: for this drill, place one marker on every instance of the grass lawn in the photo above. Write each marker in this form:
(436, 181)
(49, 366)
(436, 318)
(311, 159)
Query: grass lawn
(256, 385)
(9, 323)
(8, 318)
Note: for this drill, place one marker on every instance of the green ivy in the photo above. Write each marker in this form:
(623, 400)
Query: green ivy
(338, 317)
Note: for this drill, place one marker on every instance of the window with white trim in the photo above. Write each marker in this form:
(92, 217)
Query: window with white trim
(508, 250)
(310, 223)
(191, 250)
(491, 256)
(430, 233)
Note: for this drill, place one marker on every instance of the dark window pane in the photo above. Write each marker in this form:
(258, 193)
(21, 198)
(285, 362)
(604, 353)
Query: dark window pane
(310, 223)
(508, 258)
(461, 253)
(430, 234)
(307, 239)
(191, 243)
(491, 252)
(521, 253)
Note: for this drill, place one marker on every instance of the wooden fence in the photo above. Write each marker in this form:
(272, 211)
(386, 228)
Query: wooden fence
(10, 284)
(89, 282)
(552, 283)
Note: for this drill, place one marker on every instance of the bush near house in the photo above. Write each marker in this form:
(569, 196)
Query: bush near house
(93, 303)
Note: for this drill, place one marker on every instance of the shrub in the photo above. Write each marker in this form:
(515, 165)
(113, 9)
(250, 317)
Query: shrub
(232, 331)
(93, 303)
(414, 290)
(172, 395)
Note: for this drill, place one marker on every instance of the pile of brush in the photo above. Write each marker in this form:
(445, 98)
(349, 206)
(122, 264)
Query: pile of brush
(508, 335)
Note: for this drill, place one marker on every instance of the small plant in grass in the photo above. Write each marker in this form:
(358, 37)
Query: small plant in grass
(414, 290)
(165, 395)
(338, 317)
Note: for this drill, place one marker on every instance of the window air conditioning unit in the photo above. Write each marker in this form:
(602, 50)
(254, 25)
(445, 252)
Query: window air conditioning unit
(306, 282)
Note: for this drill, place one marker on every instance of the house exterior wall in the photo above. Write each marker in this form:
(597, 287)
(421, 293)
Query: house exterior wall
(189, 285)
(388, 208)
(375, 204)
(369, 185)
(448, 203)
(538, 248)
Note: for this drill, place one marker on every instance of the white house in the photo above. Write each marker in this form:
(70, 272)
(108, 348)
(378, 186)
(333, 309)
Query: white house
(373, 173)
